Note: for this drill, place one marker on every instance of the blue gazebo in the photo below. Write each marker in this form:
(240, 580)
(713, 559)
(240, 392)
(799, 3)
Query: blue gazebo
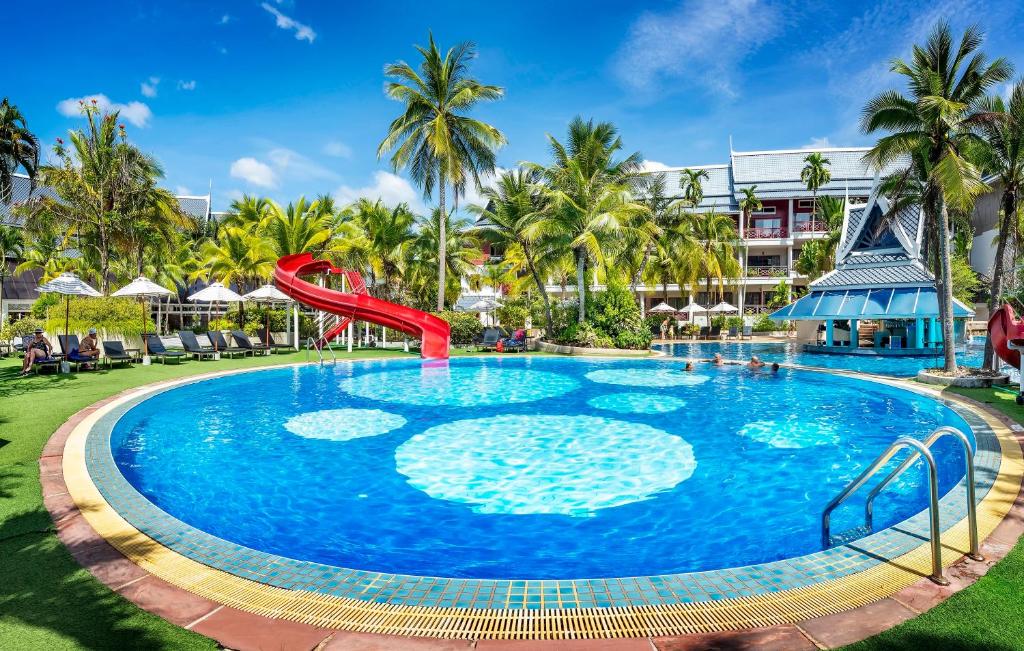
(880, 277)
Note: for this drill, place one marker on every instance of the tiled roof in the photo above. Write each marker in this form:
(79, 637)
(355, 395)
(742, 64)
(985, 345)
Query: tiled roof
(853, 222)
(909, 219)
(21, 287)
(876, 258)
(777, 173)
(197, 207)
(718, 192)
(865, 275)
(20, 186)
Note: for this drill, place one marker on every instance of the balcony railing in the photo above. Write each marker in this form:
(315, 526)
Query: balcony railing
(757, 309)
(810, 227)
(765, 233)
(767, 272)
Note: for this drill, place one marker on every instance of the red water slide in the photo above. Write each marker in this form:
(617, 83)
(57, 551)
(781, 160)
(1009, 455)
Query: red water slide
(1004, 327)
(432, 332)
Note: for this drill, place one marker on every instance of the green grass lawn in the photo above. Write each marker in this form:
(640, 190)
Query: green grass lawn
(48, 602)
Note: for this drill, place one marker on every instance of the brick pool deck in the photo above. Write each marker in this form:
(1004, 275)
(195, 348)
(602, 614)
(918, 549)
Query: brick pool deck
(238, 628)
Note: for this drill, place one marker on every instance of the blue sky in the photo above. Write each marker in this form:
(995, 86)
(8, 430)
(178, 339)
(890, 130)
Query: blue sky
(286, 98)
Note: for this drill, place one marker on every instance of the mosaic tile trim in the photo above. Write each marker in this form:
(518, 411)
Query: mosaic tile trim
(417, 591)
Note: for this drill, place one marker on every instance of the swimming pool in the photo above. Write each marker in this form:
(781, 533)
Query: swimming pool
(792, 353)
(509, 467)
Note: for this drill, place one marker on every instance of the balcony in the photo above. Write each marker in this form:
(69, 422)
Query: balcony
(765, 233)
(767, 272)
(810, 227)
(757, 309)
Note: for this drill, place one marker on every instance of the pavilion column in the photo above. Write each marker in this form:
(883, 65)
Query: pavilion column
(829, 332)
(933, 332)
(919, 333)
(853, 334)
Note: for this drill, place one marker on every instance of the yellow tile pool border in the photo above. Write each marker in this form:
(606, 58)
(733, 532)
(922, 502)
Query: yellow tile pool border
(785, 606)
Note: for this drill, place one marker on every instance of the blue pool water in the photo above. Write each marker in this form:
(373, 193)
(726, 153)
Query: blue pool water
(792, 353)
(523, 467)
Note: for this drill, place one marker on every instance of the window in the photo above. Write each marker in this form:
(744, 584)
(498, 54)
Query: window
(805, 203)
(765, 210)
(764, 260)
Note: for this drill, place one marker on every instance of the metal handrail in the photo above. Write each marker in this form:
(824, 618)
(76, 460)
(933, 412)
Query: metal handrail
(933, 499)
(311, 345)
(972, 509)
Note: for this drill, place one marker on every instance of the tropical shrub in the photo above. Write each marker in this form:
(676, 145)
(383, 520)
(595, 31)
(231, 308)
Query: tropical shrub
(512, 315)
(763, 323)
(465, 326)
(654, 322)
(15, 330)
(734, 322)
(116, 316)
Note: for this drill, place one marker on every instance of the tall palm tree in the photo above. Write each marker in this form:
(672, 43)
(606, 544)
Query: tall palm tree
(934, 127)
(237, 256)
(588, 195)
(1003, 155)
(650, 229)
(815, 174)
(510, 216)
(12, 246)
(818, 257)
(18, 148)
(691, 183)
(300, 227)
(434, 139)
(717, 254)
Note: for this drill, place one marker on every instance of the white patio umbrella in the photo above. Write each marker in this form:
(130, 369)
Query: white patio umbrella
(69, 285)
(485, 305)
(216, 293)
(690, 309)
(143, 288)
(662, 308)
(721, 308)
(267, 295)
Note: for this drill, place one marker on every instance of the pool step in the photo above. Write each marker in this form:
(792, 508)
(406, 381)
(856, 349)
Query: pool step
(849, 535)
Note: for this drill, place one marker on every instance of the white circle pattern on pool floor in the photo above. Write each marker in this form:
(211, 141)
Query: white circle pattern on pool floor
(636, 403)
(792, 434)
(544, 464)
(343, 424)
(460, 386)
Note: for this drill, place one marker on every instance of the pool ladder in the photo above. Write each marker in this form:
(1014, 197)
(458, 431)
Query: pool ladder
(311, 345)
(922, 449)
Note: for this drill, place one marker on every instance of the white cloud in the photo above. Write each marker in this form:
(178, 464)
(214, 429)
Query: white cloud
(257, 173)
(223, 50)
(302, 32)
(181, 190)
(148, 87)
(473, 195)
(654, 166)
(289, 162)
(700, 44)
(337, 149)
(225, 19)
(186, 85)
(819, 143)
(136, 113)
(389, 188)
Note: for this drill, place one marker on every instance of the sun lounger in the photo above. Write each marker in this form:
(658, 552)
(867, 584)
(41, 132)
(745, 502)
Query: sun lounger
(515, 343)
(490, 339)
(155, 347)
(48, 362)
(192, 347)
(115, 353)
(703, 334)
(220, 344)
(748, 332)
(734, 333)
(69, 345)
(242, 341)
(269, 342)
(716, 333)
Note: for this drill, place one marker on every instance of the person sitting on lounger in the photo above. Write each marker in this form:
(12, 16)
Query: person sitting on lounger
(39, 348)
(755, 362)
(89, 348)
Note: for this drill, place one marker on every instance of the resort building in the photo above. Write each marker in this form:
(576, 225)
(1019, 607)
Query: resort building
(880, 298)
(772, 237)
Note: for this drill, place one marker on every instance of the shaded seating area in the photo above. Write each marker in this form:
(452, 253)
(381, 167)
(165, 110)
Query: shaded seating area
(489, 339)
(69, 344)
(155, 347)
(50, 362)
(191, 345)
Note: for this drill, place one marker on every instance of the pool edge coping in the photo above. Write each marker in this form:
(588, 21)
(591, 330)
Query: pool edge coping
(198, 579)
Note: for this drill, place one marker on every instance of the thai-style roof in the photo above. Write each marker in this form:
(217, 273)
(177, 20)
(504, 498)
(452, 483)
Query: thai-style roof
(777, 173)
(718, 192)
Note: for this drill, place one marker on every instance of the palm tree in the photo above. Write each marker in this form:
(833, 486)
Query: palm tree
(934, 127)
(18, 148)
(100, 183)
(588, 195)
(818, 257)
(749, 203)
(12, 246)
(509, 217)
(1003, 155)
(650, 229)
(692, 186)
(389, 235)
(301, 227)
(717, 253)
(433, 138)
(462, 250)
(237, 257)
(815, 174)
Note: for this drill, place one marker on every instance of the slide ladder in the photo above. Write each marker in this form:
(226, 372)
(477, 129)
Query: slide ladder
(356, 304)
(1006, 332)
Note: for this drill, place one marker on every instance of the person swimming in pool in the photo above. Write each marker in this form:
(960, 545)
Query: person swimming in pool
(717, 359)
(775, 367)
(755, 362)
(688, 367)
